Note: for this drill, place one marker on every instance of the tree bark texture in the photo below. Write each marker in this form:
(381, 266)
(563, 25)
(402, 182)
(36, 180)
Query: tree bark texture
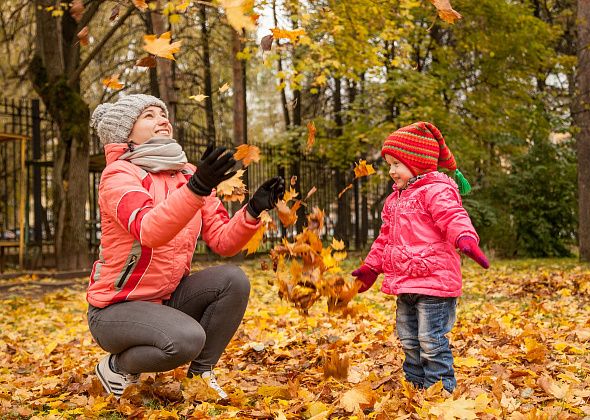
(582, 121)
(207, 83)
(48, 72)
(165, 68)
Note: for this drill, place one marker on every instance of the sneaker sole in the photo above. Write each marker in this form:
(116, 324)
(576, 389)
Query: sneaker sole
(105, 383)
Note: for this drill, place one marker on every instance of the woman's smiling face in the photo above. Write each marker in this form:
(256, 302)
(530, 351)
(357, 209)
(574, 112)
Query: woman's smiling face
(152, 122)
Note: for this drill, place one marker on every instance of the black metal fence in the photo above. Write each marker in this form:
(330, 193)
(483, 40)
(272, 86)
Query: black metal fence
(362, 203)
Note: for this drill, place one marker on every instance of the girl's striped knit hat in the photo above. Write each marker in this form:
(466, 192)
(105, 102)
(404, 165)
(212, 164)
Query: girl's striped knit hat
(421, 147)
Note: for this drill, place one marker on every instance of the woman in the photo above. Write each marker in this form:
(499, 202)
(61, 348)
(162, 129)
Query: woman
(145, 308)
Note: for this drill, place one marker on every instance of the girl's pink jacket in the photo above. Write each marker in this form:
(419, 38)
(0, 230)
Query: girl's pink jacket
(150, 223)
(416, 245)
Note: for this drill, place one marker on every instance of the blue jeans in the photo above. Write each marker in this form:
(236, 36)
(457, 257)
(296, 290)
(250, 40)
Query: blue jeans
(422, 324)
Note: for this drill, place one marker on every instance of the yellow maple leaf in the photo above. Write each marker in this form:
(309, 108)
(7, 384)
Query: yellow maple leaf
(290, 194)
(198, 98)
(112, 82)
(224, 88)
(451, 409)
(362, 169)
(235, 10)
(247, 153)
(161, 46)
(358, 398)
(233, 189)
(291, 35)
(337, 245)
(466, 361)
(254, 241)
(446, 11)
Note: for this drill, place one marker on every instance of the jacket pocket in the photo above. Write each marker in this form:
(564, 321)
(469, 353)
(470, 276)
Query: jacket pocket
(416, 260)
(127, 270)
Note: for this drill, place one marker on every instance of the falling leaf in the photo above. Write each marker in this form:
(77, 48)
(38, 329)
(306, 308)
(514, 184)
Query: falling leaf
(315, 220)
(337, 245)
(224, 88)
(310, 135)
(266, 42)
(235, 10)
(291, 35)
(147, 61)
(247, 153)
(233, 189)
(161, 46)
(83, 36)
(288, 216)
(140, 4)
(113, 82)
(335, 365)
(114, 13)
(293, 180)
(198, 98)
(77, 10)
(290, 194)
(446, 11)
(311, 192)
(254, 241)
(362, 169)
(348, 187)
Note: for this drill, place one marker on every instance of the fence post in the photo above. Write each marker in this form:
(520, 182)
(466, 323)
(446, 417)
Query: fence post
(38, 209)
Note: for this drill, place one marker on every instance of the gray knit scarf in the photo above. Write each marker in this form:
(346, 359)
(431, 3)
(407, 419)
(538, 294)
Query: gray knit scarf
(156, 155)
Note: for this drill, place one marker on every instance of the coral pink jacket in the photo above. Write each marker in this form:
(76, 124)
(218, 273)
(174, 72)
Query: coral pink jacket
(415, 248)
(150, 223)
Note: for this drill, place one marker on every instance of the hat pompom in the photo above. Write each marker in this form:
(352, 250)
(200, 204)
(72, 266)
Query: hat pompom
(462, 183)
(99, 113)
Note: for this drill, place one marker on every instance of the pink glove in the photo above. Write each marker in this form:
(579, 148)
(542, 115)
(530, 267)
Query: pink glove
(468, 246)
(366, 275)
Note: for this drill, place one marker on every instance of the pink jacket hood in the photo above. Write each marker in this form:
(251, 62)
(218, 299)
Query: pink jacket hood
(415, 249)
(150, 223)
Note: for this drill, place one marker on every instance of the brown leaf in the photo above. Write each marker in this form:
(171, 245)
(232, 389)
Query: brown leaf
(83, 36)
(114, 13)
(266, 42)
(77, 10)
(349, 186)
(147, 61)
(335, 365)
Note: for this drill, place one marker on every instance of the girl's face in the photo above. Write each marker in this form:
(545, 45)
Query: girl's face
(152, 122)
(399, 172)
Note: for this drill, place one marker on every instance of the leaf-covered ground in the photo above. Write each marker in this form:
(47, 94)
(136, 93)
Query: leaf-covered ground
(521, 346)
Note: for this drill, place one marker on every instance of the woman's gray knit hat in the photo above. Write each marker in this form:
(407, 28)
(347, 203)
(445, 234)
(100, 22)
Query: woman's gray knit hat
(113, 122)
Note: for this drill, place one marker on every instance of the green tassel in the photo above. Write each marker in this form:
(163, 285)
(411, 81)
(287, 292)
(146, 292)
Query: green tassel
(464, 187)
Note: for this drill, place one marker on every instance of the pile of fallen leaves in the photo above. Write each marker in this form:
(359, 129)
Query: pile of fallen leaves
(521, 351)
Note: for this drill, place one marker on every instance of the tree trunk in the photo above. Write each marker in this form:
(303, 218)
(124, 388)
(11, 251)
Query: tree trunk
(153, 71)
(582, 121)
(208, 90)
(165, 67)
(343, 221)
(239, 86)
(284, 103)
(66, 106)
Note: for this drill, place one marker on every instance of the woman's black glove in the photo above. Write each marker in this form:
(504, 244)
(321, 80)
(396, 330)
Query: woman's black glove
(212, 169)
(267, 196)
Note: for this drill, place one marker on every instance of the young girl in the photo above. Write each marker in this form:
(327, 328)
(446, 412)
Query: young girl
(145, 307)
(423, 223)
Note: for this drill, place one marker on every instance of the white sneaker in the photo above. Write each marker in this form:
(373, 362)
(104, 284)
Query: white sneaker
(114, 382)
(209, 378)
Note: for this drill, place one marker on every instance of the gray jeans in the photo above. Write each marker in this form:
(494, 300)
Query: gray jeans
(195, 325)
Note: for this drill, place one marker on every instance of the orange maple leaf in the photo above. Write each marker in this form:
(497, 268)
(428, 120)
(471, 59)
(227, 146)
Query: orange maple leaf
(140, 4)
(247, 154)
(291, 35)
(113, 82)
(446, 11)
(310, 135)
(233, 189)
(362, 169)
(161, 46)
(254, 241)
(288, 216)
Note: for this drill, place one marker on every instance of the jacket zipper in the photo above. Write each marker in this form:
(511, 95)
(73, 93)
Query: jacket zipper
(126, 273)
